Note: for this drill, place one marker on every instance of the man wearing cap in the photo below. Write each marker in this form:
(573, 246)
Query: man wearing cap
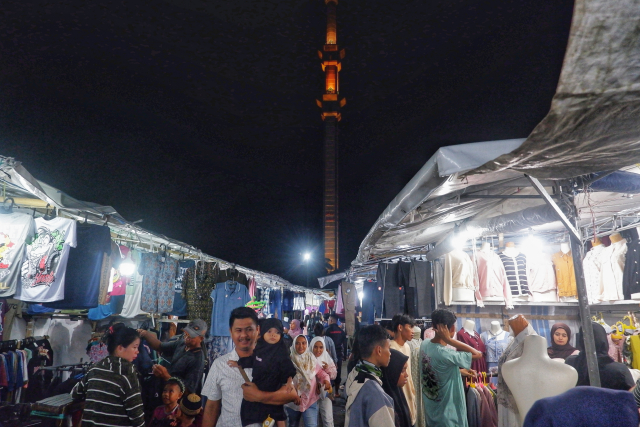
(185, 353)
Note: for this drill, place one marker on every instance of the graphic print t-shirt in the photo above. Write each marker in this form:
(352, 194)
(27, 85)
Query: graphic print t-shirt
(15, 230)
(45, 263)
(179, 303)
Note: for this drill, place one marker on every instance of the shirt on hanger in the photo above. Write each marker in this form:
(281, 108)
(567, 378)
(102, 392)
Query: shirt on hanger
(474, 340)
(540, 274)
(565, 275)
(612, 260)
(45, 265)
(133, 292)
(179, 303)
(591, 266)
(631, 274)
(157, 283)
(516, 269)
(492, 278)
(15, 230)
(459, 272)
(495, 344)
(226, 296)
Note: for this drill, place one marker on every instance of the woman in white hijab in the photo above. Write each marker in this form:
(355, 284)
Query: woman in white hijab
(323, 358)
(307, 382)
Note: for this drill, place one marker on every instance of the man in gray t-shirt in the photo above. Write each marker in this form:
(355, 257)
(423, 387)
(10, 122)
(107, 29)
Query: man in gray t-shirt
(185, 353)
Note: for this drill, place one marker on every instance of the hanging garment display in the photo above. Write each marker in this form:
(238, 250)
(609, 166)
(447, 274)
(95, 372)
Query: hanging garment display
(275, 303)
(158, 283)
(133, 293)
(368, 307)
(84, 268)
(495, 345)
(516, 268)
(226, 296)
(631, 273)
(232, 274)
(287, 300)
(459, 272)
(394, 295)
(45, 264)
(612, 261)
(350, 299)
(565, 275)
(420, 279)
(591, 266)
(197, 286)
(15, 230)
(298, 302)
(541, 277)
(339, 302)
(380, 278)
(252, 287)
(474, 340)
(179, 303)
(405, 270)
(492, 277)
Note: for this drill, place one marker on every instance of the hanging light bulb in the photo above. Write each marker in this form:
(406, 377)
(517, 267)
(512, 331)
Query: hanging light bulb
(127, 268)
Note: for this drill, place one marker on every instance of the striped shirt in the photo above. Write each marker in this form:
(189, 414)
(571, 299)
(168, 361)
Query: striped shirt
(516, 269)
(111, 392)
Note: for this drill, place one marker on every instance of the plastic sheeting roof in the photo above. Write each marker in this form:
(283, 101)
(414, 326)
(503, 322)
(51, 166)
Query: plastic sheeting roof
(18, 182)
(593, 122)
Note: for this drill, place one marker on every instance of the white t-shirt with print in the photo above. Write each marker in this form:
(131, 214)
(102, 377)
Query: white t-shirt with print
(45, 263)
(16, 229)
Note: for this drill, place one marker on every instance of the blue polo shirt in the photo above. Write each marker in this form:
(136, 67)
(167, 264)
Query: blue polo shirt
(226, 296)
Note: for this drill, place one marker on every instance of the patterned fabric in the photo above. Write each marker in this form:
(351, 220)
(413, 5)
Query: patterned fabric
(196, 289)
(157, 283)
(516, 269)
(415, 377)
(218, 347)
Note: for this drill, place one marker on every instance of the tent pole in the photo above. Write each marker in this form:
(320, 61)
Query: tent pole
(583, 303)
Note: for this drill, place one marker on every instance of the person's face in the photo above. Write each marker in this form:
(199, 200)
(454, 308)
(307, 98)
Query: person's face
(406, 331)
(301, 344)
(171, 394)
(384, 354)
(560, 336)
(452, 331)
(244, 333)
(191, 342)
(130, 352)
(272, 336)
(404, 376)
(318, 349)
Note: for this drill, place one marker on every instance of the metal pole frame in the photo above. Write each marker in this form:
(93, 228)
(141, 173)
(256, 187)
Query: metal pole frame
(583, 302)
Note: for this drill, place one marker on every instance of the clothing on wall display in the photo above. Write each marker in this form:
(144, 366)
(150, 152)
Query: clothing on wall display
(394, 295)
(565, 275)
(516, 269)
(492, 277)
(133, 293)
(350, 299)
(368, 307)
(158, 282)
(631, 274)
(16, 230)
(226, 296)
(541, 277)
(179, 303)
(495, 345)
(82, 284)
(197, 286)
(591, 266)
(45, 264)
(459, 272)
(299, 302)
(420, 279)
(612, 260)
(474, 340)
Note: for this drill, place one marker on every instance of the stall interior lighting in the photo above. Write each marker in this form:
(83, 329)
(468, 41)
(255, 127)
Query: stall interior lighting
(127, 268)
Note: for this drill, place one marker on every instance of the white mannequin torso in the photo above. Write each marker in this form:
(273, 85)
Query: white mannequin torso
(564, 248)
(469, 326)
(495, 327)
(534, 375)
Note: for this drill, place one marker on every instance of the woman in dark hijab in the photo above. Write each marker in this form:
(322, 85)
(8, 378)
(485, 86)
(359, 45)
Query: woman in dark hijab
(613, 375)
(394, 377)
(560, 347)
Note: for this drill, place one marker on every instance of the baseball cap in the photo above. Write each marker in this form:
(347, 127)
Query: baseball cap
(196, 328)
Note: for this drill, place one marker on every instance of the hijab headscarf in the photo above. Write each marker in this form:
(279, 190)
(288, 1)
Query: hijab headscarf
(390, 376)
(560, 351)
(324, 357)
(295, 329)
(579, 362)
(306, 367)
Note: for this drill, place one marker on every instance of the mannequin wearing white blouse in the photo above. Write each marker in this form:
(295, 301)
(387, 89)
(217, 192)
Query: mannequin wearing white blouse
(534, 375)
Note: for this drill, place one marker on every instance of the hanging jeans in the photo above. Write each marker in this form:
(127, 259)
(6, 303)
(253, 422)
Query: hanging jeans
(420, 279)
(310, 416)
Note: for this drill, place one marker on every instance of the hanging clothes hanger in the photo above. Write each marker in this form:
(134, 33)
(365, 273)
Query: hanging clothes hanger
(4, 209)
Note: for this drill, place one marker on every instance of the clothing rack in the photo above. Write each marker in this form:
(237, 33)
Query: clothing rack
(63, 368)
(9, 345)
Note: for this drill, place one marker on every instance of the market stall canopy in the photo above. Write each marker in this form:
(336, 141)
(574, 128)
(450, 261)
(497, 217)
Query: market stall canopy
(28, 192)
(593, 122)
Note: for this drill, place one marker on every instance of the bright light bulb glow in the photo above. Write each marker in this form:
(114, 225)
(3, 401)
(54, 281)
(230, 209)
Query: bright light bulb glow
(306, 256)
(360, 295)
(127, 268)
(532, 245)
(459, 241)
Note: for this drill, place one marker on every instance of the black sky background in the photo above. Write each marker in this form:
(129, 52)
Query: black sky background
(200, 117)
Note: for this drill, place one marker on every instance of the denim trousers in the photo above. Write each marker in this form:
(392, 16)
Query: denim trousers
(310, 416)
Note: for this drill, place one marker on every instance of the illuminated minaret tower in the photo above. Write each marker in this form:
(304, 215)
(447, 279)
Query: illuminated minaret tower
(331, 104)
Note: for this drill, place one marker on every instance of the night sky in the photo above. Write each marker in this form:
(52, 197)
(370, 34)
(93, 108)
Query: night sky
(199, 117)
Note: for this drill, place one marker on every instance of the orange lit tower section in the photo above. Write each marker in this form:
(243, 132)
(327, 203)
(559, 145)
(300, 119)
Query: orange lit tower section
(331, 58)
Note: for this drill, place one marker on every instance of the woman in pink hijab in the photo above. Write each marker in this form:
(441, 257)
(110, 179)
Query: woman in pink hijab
(295, 329)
